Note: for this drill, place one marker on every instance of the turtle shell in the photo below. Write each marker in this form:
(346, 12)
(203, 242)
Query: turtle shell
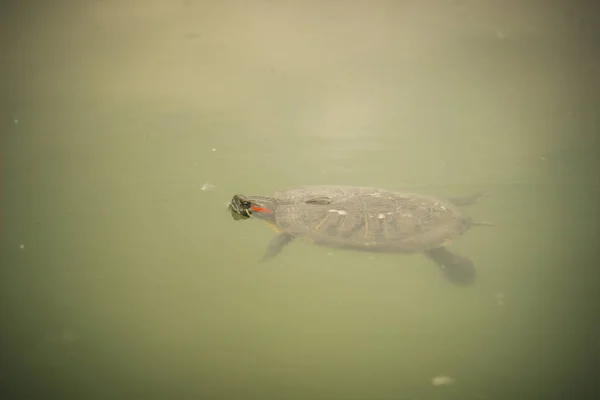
(368, 218)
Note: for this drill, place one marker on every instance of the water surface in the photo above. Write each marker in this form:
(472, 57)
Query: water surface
(127, 126)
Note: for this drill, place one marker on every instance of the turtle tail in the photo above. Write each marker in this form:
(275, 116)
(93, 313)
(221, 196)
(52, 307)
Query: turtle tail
(471, 222)
(482, 223)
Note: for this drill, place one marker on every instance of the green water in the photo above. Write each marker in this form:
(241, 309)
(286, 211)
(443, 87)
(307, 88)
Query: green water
(123, 277)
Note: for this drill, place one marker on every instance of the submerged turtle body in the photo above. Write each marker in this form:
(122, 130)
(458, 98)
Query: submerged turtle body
(367, 219)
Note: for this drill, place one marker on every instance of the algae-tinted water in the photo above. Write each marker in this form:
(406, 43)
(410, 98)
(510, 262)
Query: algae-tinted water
(127, 127)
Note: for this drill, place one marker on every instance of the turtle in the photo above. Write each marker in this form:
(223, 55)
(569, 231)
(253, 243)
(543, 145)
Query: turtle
(366, 219)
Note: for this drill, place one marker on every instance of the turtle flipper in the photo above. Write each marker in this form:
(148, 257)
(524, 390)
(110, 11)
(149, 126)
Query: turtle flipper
(276, 245)
(457, 269)
(467, 200)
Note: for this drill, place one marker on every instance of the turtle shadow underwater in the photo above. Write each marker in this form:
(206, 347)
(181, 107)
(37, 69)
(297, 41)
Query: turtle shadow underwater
(366, 219)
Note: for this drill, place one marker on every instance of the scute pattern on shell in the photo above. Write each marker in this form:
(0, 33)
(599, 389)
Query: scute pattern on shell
(368, 218)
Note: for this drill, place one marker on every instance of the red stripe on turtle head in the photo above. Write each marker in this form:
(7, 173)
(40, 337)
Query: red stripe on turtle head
(262, 210)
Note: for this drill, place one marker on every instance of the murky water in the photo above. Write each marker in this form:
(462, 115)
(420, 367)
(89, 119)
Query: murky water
(127, 126)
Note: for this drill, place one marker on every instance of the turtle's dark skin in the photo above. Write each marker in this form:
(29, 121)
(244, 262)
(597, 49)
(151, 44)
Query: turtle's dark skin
(366, 219)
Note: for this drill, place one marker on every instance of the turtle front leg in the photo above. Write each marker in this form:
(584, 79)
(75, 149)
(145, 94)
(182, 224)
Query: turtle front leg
(276, 245)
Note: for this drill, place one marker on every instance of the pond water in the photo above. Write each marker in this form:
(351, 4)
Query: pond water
(128, 126)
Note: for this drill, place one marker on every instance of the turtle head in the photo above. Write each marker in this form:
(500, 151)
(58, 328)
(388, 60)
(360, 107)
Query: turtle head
(242, 207)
